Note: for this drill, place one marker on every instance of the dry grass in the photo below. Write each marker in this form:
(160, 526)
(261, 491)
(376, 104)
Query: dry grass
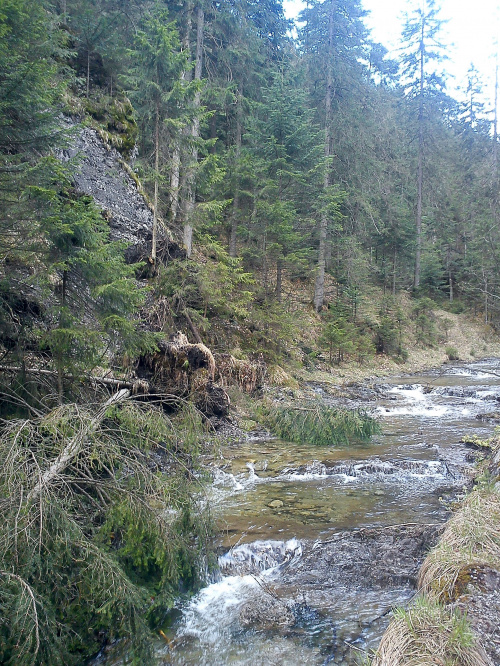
(429, 635)
(471, 540)
(431, 632)
(469, 336)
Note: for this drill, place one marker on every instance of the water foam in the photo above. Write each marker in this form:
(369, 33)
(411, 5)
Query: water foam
(260, 556)
(211, 612)
(368, 470)
(417, 403)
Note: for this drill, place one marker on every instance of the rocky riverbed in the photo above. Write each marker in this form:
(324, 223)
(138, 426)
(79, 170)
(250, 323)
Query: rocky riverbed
(317, 545)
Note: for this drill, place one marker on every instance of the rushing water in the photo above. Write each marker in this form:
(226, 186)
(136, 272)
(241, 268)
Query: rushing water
(274, 499)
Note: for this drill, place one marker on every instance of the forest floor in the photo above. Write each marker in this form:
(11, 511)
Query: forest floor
(471, 338)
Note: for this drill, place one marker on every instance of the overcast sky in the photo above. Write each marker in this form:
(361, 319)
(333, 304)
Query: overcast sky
(472, 28)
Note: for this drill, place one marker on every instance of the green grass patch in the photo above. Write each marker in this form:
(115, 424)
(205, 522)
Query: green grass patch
(317, 423)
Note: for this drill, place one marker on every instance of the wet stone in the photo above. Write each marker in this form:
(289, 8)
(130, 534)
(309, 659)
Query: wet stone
(265, 613)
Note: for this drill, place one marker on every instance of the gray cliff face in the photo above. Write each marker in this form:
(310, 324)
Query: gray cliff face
(100, 174)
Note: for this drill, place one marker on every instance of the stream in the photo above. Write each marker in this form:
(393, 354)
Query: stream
(318, 545)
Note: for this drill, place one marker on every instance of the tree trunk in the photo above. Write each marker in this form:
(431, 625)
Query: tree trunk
(486, 314)
(74, 446)
(495, 124)
(264, 264)
(174, 182)
(236, 188)
(60, 374)
(319, 287)
(189, 196)
(394, 264)
(279, 278)
(418, 249)
(137, 387)
(175, 173)
(450, 277)
(88, 70)
(155, 200)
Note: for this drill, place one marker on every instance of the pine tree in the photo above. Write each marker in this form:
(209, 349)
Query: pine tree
(332, 40)
(421, 54)
(287, 150)
(156, 88)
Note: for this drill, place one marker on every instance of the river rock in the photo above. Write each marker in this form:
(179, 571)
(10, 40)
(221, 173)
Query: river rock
(481, 603)
(489, 416)
(373, 558)
(266, 612)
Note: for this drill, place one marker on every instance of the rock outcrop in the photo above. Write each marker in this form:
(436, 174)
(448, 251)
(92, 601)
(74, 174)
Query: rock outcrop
(101, 173)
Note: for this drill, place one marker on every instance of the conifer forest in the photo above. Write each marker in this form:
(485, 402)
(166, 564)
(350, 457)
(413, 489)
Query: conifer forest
(198, 199)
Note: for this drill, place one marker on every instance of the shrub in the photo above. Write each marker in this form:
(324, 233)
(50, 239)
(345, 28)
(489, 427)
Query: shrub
(452, 353)
(390, 329)
(97, 541)
(425, 325)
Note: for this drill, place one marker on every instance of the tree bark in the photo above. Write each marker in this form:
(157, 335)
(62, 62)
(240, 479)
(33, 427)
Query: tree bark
(105, 381)
(394, 264)
(175, 173)
(194, 330)
(319, 287)
(486, 313)
(236, 188)
(495, 124)
(155, 200)
(88, 70)
(279, 277)
(450, 276)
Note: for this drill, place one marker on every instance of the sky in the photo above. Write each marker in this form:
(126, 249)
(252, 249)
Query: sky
(472, 28)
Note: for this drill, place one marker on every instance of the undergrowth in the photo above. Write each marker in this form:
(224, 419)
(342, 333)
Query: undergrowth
(103, 525)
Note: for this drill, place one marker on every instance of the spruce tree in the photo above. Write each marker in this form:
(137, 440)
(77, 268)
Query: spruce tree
(156, 89)
(421, 55)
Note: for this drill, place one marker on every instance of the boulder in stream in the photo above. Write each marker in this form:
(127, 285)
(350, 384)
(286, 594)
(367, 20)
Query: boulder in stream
(266, 612)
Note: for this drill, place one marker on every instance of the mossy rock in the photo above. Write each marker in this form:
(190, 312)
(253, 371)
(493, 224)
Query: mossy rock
(248, 425)
(113, 118)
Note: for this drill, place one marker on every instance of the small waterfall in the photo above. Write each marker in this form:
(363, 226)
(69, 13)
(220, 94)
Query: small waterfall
(259, 556)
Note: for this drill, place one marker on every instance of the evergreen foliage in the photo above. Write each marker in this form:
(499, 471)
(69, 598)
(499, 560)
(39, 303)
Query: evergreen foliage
(300, 159)
(100, 548)
(319, 424)
(295, 162)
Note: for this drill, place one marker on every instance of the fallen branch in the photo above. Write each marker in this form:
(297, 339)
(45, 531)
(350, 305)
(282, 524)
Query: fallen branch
(29, 591)
(104, 381)
(75, 445)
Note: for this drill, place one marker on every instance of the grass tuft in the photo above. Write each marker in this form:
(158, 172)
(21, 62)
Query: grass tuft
(471, 540)
(428, 634)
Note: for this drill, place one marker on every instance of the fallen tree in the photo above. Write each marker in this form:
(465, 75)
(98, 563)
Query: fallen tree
(177, 369)
(95, 542)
